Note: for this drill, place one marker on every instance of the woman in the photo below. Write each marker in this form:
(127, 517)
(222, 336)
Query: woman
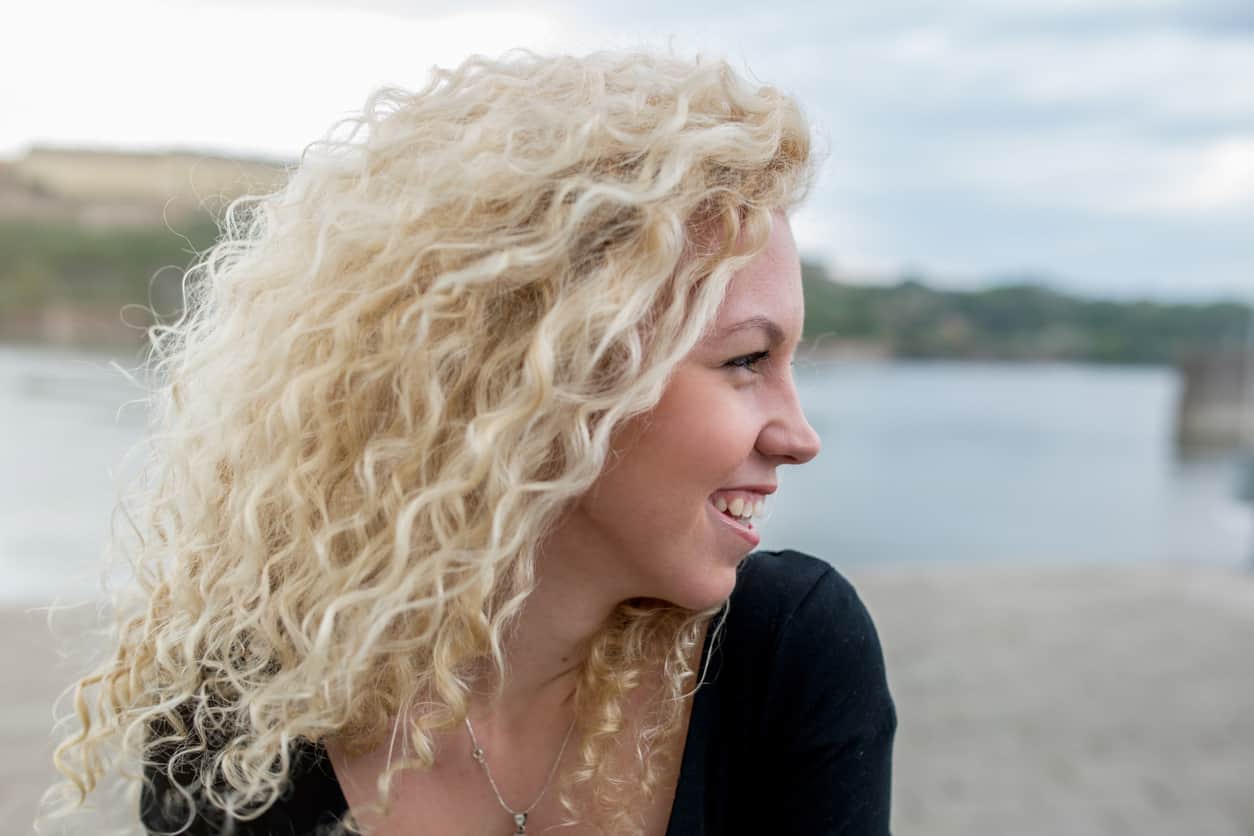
(459, 449)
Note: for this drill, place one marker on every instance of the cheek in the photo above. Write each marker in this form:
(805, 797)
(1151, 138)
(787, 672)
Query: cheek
(708, 450)
(671, 464)
(701, 432)
(719, 442)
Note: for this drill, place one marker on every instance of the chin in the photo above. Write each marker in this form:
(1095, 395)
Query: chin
(711, 589)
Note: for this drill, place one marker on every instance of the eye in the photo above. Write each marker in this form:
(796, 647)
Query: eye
(749, 361)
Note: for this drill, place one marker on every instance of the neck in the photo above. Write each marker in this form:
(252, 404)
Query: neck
(546, 647)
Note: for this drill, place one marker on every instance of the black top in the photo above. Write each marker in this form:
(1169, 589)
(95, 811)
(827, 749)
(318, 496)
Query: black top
(791, 732)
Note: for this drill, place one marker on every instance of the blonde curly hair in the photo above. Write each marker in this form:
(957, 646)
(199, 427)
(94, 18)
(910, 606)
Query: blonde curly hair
(391, 378)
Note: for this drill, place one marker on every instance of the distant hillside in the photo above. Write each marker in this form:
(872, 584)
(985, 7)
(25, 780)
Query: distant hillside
(50, 262)
(1013, 322)
(85, 232)
(104, 188)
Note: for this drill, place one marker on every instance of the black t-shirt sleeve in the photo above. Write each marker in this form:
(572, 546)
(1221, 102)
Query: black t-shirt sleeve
(163, 810)
(832, 718)
(311, 804)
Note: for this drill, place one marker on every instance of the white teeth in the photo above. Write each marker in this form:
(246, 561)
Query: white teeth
(740, 508)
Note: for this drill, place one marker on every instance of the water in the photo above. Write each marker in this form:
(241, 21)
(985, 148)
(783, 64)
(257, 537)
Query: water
(921, 461)
(64, 434)
(939, 461)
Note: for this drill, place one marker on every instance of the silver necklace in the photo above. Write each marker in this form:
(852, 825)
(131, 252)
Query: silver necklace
(520, 816)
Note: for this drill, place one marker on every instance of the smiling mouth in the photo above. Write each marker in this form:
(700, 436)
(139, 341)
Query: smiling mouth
(740, 521)
(739, 510)
(740, 527)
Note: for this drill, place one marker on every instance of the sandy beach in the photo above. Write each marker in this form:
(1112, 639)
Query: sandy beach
(1077, 701)
(1067, 700)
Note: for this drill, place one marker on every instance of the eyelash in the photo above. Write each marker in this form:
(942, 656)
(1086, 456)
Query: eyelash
(749, 361)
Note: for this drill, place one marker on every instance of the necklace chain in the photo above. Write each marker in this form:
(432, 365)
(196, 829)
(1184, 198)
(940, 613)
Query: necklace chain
(520, 816)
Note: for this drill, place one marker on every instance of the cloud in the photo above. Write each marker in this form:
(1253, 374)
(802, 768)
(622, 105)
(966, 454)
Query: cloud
(1098, 172)
(847, 244)
(268, 78)
(972, 137)
(1215, 177)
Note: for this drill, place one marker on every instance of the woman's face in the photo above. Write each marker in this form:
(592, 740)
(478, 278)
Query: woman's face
(728, 419)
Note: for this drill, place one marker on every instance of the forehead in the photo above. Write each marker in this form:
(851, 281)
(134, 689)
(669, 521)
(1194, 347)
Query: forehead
(766, 291)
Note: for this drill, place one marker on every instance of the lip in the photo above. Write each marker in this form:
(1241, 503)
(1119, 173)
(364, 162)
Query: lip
(763, 488)
(749, 535)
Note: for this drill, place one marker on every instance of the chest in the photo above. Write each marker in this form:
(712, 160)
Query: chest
(455, 797)
(423, 806)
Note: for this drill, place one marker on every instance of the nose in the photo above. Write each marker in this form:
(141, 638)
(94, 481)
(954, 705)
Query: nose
(788, 435)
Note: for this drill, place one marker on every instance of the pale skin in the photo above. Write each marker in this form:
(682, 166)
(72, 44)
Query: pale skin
(646, 529)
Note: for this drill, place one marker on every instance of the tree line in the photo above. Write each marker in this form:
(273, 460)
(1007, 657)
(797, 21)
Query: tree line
(1021, 321)
(45, 263)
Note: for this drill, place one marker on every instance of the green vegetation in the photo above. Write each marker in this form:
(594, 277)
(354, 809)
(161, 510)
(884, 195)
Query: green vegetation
(49, 264)
(44, 263)
(1014, 322)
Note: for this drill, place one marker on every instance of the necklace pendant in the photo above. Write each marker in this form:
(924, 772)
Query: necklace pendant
(520, 823)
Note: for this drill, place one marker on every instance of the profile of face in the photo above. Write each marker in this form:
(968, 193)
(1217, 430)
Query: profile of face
(729, 418)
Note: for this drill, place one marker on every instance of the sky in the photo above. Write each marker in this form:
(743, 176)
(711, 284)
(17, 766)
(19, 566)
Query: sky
(1102, 147)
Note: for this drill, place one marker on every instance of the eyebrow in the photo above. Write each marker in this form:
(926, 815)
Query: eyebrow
(774, 333)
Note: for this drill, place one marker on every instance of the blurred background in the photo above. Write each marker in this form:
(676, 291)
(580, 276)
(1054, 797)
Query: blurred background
(1029, 276)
